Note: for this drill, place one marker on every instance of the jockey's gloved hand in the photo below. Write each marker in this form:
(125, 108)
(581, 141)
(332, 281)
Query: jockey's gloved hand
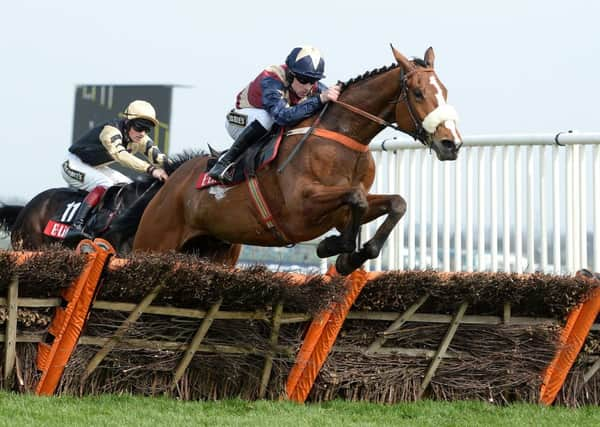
(159, 174)
(331, 94)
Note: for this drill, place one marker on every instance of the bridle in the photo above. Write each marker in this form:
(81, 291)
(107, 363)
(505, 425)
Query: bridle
(420, 134)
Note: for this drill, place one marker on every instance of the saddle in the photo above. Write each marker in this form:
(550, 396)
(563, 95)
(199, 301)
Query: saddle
(98, 220)
(260, 154)
(106, 210)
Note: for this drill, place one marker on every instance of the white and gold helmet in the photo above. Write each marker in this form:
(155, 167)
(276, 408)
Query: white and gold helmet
(139, 109)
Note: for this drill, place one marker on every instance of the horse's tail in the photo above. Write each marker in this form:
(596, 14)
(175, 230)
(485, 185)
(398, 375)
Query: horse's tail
(8, 216)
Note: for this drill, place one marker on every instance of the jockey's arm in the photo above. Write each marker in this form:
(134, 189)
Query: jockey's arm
(112, 140)
(154, 156)
(277, 106)
(151, 151)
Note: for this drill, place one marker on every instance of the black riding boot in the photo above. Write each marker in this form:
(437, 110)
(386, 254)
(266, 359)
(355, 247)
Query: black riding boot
(76, 233)
(252, 133)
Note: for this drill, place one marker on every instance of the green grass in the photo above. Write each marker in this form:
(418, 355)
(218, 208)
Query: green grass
(110, 410)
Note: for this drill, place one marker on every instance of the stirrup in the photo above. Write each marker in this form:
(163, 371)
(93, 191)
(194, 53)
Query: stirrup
(216, 171)
(226, 176)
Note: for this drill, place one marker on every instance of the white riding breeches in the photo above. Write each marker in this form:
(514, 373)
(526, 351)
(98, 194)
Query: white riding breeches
(82, 176)
(238, 119)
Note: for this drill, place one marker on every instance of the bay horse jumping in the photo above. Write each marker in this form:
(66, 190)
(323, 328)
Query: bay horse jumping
(325, 186)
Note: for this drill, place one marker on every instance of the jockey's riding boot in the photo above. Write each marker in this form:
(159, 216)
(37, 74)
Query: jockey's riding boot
(252, 133)
(76, 233)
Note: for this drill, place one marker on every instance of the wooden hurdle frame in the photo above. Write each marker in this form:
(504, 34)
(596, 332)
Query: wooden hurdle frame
(319, 340)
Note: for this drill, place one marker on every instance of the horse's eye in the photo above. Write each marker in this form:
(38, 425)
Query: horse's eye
(418, 94)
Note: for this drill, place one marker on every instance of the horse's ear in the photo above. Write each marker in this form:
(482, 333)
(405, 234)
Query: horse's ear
(213, 152)
(401, 59)
(429, 57)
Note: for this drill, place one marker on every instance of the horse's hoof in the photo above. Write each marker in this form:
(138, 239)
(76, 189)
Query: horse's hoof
(322, 251)
(326, 248)
(370, 250)
(343, 264)
(334, 245)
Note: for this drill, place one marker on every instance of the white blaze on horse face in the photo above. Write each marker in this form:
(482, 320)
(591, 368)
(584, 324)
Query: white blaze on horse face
(451, 126)
(439, 95)
(443, 113)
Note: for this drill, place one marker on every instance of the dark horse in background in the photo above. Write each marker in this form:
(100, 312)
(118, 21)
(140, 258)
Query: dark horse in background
(326, 185)
(48, 214)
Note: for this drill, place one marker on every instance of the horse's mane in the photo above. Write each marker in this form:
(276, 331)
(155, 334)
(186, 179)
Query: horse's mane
(176, 160)
(368, 74)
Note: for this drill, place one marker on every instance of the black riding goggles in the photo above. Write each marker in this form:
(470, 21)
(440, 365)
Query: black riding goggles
(142, 125)
(305, 79)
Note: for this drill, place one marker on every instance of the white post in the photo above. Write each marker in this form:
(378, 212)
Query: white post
(596, 208)
(393, 239)
(457, 218)
(423, 185)
(401, 249)
(481, 264)
(543, 212)
(575, 189)
(583, 177)
(446, 241)
(494, 208)
(530, 212)
(569, 209)
(470, 197)
(518, 211)
(412, 210)
(506, 210)
(556, 169)
(379, 184)
(434, 214)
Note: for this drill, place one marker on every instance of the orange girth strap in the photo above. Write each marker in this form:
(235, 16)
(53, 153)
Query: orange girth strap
(346, 141)
(266, 217)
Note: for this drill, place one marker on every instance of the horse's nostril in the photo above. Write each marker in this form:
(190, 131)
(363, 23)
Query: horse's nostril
(448, 144)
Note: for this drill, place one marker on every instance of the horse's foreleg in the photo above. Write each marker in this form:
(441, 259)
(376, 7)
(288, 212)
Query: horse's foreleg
(392, 205)
(326, 200)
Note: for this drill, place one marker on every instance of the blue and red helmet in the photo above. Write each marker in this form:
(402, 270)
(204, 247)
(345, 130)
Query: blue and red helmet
(306, 61)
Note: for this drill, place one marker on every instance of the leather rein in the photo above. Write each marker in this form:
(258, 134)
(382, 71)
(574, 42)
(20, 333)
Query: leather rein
(420, 133)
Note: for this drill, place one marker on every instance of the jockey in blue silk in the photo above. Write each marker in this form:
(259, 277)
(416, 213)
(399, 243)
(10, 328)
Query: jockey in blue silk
(86, 166)
(280, 94)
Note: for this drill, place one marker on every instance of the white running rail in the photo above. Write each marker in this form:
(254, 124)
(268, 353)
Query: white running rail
(512, 203)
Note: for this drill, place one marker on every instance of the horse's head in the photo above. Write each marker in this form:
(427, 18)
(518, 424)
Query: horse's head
(430, 119)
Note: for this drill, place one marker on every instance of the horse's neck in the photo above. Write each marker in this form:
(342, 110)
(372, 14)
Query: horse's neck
(375, 95)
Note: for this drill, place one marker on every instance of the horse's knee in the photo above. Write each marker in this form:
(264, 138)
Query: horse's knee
(357, 199)
(398, 206)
